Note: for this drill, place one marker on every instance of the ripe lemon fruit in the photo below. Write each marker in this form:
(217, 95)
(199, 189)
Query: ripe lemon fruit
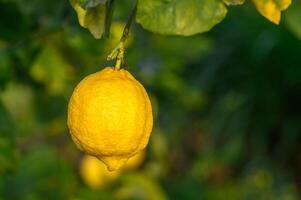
(110, 116)
(94, 173)
(135, 161)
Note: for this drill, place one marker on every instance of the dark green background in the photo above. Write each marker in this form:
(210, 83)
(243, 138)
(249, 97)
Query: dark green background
(226, 105)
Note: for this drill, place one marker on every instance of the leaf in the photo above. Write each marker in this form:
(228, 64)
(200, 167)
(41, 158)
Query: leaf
(93, 18)
(51, 69)
(234, 2)
(178, 17)
(293, 18)
(90, 3)
(18, 101)
(271, 9)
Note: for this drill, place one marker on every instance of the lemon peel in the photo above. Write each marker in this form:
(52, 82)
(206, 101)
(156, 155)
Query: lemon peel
(110, 116)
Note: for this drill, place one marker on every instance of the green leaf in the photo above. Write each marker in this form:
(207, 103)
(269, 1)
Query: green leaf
(178, 17)
(293, 18)
(90, 3)
(93, 18)
(51, 69)
(234, 2)
(18, 100)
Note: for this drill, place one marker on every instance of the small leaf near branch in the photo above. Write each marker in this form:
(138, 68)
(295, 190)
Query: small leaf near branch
(179, 17)
(234, 2)
(93, 18)
(271, 9)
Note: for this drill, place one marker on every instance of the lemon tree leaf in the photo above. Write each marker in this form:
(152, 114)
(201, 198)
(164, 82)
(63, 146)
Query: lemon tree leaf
(234, 2)
(178, 17)
(51, 69)
(92, 18)
(293, 18)
(90, 3)
(271, 9)
(283, 4)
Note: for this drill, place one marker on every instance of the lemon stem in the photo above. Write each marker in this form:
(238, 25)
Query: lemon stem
(120, 56)
(118, 52)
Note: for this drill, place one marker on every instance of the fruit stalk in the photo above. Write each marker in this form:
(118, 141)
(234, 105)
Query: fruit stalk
(118, 52)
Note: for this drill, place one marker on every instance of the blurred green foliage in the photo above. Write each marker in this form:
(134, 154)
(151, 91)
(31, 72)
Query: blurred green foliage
(227, 106)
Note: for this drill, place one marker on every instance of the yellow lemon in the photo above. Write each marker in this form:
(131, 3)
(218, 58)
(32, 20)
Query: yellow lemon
(135, 161)
(94, 173)
(110, 116)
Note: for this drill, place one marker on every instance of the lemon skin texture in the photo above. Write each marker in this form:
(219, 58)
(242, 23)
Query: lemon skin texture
(110, 116)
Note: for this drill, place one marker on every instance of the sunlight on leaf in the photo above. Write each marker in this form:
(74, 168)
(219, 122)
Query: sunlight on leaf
(271, 9)
(180, 17)
(283, 4)
(51, 69)
(93, 18)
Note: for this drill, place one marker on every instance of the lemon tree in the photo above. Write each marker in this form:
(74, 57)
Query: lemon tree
(225, 104)
(171, 17)
(110, 114)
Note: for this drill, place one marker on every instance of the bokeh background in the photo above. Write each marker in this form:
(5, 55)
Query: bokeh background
(227, 114)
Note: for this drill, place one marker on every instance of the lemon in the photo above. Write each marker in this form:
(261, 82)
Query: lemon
(135, 161)
(110, 116)
(94, 173)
